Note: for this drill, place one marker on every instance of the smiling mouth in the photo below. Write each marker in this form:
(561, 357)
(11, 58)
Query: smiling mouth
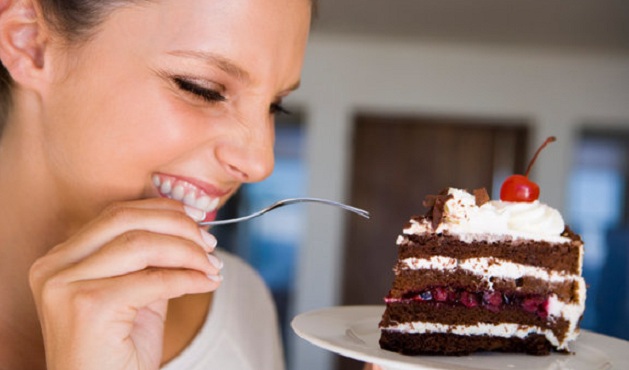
(185, 192)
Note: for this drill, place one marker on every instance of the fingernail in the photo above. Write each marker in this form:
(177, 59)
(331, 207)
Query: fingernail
(215, 261)
(194, 213)
(209, 239)
(217, 278)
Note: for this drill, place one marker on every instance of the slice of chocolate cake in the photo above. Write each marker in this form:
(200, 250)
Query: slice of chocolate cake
(478, 275)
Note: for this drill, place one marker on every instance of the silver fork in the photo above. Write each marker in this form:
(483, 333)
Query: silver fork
(285, 202)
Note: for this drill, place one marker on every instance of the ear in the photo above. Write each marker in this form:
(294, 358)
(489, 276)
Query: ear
(22, 40)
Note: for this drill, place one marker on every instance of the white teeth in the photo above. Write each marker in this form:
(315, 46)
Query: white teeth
(213, 205)
(157, 181)
(190, 199)
(206, 203)
(166, 187)
(203, 203)
(178, 192)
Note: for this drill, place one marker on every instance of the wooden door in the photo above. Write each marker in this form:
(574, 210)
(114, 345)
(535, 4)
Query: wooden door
(396, 162)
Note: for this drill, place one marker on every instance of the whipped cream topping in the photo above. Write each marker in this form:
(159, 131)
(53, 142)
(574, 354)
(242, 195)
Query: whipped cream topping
(495, 220)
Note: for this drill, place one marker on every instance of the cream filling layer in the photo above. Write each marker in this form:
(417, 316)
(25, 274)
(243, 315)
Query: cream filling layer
(496, 330)
(486, 268)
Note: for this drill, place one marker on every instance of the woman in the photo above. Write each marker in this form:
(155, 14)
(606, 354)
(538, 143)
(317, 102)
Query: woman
(115, 115)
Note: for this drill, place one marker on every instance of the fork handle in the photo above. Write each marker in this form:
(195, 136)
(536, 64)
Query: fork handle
(284, 202)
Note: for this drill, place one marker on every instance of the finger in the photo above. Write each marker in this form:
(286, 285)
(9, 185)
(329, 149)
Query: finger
(168, 204)
(111, 305)
(119, 219)
(115, 295)
(163, 216)
(138, 250)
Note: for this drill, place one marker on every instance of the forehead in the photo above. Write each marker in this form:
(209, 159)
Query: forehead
(230, 19)
(264, 34)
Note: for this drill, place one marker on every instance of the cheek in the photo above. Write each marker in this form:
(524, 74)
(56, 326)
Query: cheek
(111, 143)
(138, 136)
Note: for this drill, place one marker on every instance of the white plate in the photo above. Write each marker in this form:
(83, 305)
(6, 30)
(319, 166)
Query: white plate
(352, 331)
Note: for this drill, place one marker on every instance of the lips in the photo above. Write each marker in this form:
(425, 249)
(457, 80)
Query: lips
(184, 191)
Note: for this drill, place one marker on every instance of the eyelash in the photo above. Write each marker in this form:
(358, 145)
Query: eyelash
(278, 108)
(213, 96)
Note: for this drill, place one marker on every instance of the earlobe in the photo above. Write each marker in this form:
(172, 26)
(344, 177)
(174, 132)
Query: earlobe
(22, 41)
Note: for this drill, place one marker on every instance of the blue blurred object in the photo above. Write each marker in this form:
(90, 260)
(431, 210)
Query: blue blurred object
(612, 301)
(597, 211)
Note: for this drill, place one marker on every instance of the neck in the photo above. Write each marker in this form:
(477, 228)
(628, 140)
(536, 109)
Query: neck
(29, 227)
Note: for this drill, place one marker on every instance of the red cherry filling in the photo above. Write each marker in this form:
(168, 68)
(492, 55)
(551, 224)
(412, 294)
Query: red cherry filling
(518, 188)
(537, 305)
(468, 299)
(441, 294)
(491, 300)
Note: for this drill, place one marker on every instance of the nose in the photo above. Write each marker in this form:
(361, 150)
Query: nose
(247, 156)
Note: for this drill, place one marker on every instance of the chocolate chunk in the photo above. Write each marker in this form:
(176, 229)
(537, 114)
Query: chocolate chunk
(436, 205)
(481, 196)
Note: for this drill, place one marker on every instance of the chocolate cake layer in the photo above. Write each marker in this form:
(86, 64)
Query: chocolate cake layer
(433, 312)
(451, 344)
(553, 256)
(408, 281)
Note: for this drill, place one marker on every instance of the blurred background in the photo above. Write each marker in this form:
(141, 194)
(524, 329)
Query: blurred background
(401, 98)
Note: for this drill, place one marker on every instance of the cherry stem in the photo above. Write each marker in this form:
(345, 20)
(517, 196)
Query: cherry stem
(549, 140)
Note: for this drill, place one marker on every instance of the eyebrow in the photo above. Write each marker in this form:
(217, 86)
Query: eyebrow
(224, 64)
(214, 59)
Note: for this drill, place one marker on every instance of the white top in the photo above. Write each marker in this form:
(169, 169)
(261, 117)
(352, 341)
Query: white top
(241, 331)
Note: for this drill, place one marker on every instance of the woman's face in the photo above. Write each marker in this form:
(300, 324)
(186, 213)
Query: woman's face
(171, 98)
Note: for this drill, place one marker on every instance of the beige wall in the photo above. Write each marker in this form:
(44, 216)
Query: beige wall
(558, 91)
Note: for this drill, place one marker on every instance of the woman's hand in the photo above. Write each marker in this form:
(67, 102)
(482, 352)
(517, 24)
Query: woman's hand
(102, 294)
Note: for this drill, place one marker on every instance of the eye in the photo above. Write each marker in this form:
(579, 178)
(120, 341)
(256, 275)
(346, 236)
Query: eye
(191, 87)
(277, 107)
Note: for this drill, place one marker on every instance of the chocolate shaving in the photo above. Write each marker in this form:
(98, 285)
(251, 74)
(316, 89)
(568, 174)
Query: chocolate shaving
(436, 205)
(481, 196)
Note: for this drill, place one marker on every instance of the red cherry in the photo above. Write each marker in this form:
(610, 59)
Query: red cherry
(518, 188)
